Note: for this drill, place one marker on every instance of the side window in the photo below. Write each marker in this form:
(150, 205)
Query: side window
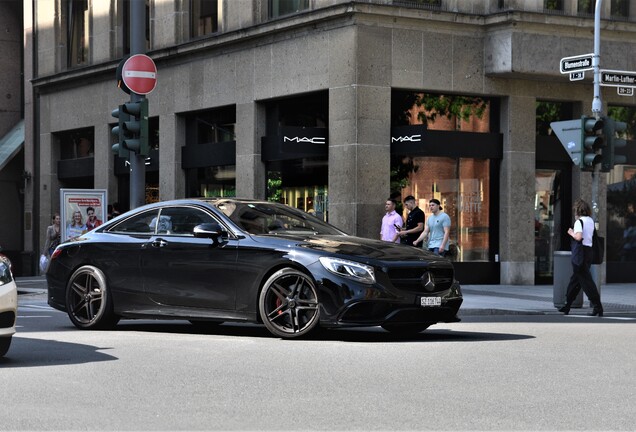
(182, 220)
(138, 224)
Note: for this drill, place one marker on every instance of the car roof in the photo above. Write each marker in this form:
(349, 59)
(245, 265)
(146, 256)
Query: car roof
(211, 200)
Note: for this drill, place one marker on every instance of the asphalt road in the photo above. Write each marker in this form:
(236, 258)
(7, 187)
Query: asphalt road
(485, 373)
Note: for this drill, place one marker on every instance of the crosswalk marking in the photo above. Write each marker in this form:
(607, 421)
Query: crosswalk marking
(605, 317)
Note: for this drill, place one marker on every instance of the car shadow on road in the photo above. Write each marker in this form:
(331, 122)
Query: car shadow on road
(362, 334)
(30, 352)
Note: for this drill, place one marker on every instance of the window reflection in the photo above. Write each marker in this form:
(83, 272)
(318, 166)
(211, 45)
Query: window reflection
(462, 185)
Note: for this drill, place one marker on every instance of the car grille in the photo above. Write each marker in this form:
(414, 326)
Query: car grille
(421, 279)
(7, 319)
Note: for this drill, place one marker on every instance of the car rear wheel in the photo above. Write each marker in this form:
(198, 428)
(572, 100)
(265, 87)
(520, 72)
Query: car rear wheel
(288, 304)
(405, 329)
(5, 343)
(88, 301)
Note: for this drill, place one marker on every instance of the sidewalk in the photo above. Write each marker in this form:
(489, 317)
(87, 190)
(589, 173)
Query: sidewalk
(539, 299)
(480, 299)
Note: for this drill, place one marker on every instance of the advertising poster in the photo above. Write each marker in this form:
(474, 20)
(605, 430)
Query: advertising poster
(82, 210)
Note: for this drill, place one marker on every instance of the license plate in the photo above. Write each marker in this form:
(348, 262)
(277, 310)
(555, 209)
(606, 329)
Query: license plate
(430, 301)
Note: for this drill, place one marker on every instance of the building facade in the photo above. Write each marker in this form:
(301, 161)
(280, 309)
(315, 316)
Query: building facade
(332, 106)
(12, 175)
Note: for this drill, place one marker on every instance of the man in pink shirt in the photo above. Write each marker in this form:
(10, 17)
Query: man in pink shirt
(391, 219)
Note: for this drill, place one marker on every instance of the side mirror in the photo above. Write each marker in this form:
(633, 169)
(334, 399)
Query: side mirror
(212, 231)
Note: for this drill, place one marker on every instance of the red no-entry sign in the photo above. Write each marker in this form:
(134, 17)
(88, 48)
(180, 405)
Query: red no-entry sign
(139, 73)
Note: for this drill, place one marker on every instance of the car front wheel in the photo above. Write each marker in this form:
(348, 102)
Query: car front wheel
(88, 301)
(288, 304)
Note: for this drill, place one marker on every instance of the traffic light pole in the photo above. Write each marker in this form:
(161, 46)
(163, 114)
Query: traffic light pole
(137, 46)
(597, 103)
(597, 108)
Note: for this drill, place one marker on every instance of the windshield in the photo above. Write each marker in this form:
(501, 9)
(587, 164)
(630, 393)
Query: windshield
(274, 218)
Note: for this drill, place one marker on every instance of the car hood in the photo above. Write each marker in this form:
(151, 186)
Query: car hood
(361, 249)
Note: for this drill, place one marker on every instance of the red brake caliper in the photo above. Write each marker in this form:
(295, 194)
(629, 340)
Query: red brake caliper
(279, 302)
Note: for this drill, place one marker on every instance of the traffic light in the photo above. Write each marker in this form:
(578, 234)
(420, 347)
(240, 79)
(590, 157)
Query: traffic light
(132, 130)
(615, 144)
(592, 140)
(119, 132)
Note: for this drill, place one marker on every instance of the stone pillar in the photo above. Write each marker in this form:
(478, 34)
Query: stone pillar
(104, 172)
(359, 131)
(49, 193)
(171, 138)
(359, 157)
(250, 170)
(517, 183)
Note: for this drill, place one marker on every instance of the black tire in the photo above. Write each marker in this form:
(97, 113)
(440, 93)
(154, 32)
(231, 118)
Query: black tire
(5, 343)
(88, 301)
(288, 304)
(405, 329)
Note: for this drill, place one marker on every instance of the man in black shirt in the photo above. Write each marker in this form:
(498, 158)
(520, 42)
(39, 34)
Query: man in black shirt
(414, 222)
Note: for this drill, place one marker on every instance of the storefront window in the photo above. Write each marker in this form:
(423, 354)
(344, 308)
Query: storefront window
(295, 151)
(209, 157)
(76, 143)
(621, 196)
(442, 112)
(462, 185)
(430, 134)
(310, 197)
(621, 230)
(214, 181)
(547, 220)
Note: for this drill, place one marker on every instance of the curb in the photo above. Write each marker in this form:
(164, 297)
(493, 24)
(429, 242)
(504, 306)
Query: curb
(495, 311)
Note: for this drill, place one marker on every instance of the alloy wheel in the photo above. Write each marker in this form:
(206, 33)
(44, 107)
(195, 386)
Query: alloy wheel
(88, 301)
(289, 304)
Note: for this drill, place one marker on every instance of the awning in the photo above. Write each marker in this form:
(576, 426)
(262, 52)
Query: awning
(11, 144)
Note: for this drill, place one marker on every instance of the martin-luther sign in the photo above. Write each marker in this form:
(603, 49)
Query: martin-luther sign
(612, 78)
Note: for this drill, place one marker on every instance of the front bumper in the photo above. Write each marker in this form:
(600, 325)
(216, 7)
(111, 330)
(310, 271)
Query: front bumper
(347, 303)
(8, 308)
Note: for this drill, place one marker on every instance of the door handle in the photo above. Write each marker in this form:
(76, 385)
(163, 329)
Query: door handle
(159, 243)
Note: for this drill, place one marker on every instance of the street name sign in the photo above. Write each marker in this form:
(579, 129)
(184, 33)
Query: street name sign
(139, 73)
(577, 63)
(625, 91)
(613, 78)
(569, 133)
(577, 76)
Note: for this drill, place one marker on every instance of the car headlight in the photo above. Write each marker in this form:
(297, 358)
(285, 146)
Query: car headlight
(349, 269)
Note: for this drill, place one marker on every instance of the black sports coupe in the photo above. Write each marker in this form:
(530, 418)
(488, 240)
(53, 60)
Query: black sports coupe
(215, 260)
